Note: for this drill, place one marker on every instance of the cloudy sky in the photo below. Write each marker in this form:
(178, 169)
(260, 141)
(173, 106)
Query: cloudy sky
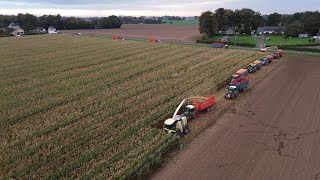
(85, 8)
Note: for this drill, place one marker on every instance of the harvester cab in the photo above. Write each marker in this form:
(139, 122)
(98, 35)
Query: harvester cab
(177, 125)
(232, 92)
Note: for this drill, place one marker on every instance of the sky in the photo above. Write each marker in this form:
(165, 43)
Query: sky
(92, 8)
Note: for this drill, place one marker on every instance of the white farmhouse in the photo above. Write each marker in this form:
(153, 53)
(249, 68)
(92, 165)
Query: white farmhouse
(18, 32)
(52, 30)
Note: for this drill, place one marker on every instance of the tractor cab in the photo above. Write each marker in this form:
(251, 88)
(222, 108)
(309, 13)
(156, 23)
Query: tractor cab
(265, 61)
(232, 89)
(232, 92)
(190, 112)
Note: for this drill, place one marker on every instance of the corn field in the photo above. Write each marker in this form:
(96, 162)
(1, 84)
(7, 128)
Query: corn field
(84, 107)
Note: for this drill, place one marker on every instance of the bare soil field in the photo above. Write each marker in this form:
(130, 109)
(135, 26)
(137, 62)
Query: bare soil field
(146, 31)
(273, 133)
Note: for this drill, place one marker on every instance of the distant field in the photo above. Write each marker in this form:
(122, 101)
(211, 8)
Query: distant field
(182, 22)
(250, 41)
(241, 40)
(87, 107)
(238, 39)
(145, 31)
(280, 40)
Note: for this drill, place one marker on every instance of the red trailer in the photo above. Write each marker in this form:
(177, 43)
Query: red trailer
(155, 40)
(204, 103)
(217, 44)
(116, 37)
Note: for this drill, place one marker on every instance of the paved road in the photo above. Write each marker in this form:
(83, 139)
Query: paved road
(273, 134)
(260, 42)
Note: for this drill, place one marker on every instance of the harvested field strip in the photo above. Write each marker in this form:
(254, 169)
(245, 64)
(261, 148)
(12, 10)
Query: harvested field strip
(91, 113)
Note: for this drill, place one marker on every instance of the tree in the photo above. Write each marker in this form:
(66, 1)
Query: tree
(115, 22)
(311, 21)
(294, 29)
(27, 21)
(246, 19)
(222, 17)
(274, 19)
(51, 20)
(258, 21)
(208, 23)
(105, 23)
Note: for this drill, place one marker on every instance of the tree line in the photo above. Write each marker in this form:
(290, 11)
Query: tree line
(30, 22)
(245, 20)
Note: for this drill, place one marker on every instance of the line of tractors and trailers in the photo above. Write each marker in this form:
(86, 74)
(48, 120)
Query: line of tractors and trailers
(190, 108)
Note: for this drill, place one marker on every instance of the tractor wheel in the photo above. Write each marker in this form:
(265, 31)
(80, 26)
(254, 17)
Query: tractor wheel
(186, 129)
(196, 115)
(208, 109)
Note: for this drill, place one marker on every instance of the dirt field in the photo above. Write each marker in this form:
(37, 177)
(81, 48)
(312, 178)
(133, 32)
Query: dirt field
(273, 134)
(146, 31)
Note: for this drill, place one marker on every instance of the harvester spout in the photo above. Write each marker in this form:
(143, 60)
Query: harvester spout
(178, 108)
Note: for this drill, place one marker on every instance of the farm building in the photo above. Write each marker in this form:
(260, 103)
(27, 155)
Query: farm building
(230, 30)
(18, 32)
(271, 30)
(14, 26)
(301, 36)
(52, 30)
(41, 30)
(225, 39)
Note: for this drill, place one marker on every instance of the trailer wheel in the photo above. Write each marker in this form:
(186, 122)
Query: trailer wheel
(208, 109)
